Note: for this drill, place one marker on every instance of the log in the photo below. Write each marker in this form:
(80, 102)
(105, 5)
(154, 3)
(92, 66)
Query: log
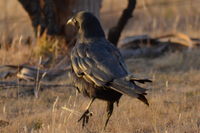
(144, 52)
(27, 89)
(14, 84)
(31, 73)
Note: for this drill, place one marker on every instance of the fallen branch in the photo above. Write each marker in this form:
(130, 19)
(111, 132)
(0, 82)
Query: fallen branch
(71, 111)
(31, 73)
(144, 52)
(14, 84)
(28, 89)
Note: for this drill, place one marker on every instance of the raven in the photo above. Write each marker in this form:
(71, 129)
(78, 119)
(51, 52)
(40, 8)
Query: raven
(98, 68)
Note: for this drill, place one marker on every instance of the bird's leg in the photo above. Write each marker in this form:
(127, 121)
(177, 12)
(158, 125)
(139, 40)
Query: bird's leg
(109, 112)
(86, 114)
(78, 89)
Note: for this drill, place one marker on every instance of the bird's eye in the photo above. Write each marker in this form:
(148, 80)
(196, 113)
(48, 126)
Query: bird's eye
(76, 23)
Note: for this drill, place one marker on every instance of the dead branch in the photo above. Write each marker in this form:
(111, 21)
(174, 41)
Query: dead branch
(31, 73)
(28, 88)
(15, 84)
(146, 46)
(181, 38)
(115, 32)
(144, 52)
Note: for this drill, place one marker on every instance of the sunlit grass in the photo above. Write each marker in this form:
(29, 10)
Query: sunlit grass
(174, 95)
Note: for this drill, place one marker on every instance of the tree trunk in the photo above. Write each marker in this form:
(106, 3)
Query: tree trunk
(49, 19)
(51, 15)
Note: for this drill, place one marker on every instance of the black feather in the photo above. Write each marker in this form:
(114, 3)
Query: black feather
(143, 99)
(143, 81)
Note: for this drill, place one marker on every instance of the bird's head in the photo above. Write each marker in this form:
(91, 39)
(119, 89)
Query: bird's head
(87, 25)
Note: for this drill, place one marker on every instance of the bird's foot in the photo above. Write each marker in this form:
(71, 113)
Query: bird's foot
(85, 117)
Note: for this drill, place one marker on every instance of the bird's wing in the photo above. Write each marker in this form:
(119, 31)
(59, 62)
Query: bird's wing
(98, 63)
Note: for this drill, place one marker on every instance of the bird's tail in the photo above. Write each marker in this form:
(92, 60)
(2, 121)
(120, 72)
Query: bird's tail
(128, 86)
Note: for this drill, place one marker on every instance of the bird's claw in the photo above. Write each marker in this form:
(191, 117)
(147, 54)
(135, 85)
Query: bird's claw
(85, 117)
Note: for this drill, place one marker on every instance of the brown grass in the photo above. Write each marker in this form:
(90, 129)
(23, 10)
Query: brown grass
(174, 104)
(174, 95)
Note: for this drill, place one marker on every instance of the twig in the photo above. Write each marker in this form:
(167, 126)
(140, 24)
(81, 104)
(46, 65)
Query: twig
(54, 114)
(71, 111)
(38, 79)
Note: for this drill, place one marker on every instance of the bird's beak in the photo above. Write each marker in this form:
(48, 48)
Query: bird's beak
(70, 21)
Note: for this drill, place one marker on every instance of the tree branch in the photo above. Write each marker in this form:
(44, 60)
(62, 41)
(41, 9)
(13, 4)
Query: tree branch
(115, 32)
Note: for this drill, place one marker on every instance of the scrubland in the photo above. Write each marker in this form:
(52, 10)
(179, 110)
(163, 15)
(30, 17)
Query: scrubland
(174, 95)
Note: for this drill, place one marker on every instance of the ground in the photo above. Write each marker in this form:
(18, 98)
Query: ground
(174, 103)
(174, 94)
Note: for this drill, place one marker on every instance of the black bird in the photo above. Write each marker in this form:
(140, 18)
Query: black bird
(98, 69)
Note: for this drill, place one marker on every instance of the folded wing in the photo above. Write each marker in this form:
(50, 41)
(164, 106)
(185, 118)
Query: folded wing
(99, 63)
(103, 65)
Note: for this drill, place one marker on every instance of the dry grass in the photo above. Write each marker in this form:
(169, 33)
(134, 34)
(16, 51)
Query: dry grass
(174, 96)
(174, 103)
